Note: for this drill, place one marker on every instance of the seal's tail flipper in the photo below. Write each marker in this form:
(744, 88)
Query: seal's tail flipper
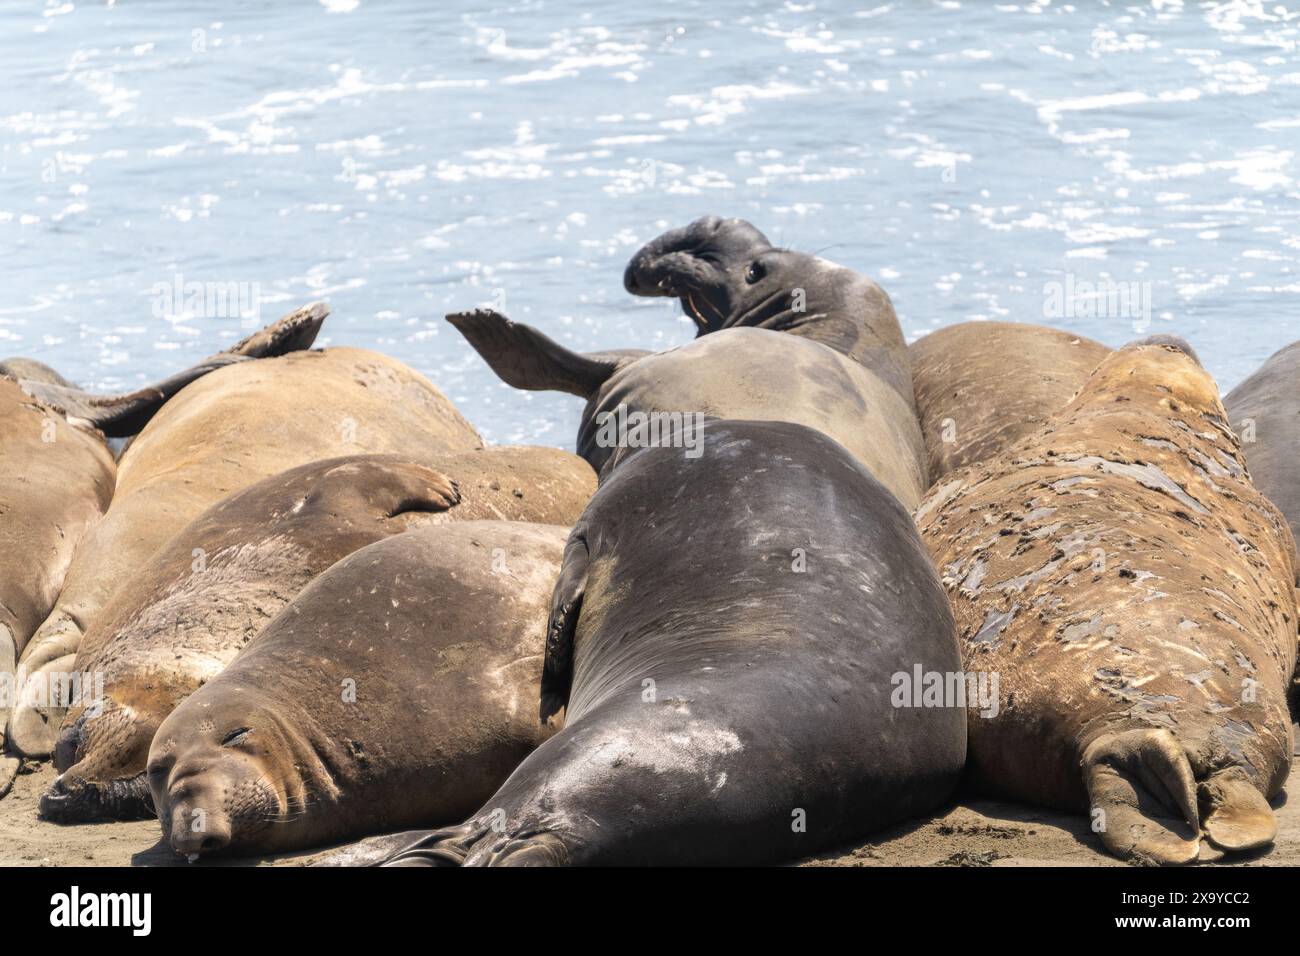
(120, 416)
(525, 358)
(1143, 796)
(1235, 814)
(445, 847)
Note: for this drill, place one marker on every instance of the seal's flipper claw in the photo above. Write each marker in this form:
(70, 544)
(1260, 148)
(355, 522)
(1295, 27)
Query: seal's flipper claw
(1139, 783)
(524, 358)
(1236, 815)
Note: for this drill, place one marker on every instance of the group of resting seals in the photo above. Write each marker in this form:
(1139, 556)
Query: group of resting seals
(329, 625)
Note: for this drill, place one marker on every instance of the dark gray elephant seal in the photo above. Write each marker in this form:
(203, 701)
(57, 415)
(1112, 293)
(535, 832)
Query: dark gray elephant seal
(982, 386)
(727, 636)
(400, 687)
(197, 602)
(726, 275)
(1265, 411)
(753, 374)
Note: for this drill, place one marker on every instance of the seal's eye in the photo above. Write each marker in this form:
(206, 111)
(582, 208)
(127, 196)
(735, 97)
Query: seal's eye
(755, 272)
(236, 736)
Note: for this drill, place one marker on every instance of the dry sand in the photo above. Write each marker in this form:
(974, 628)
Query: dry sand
(977, 833)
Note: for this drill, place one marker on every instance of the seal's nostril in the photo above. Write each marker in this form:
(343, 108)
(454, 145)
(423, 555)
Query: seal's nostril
(210, 843)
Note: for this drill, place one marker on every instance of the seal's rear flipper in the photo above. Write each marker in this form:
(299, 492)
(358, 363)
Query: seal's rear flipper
(1139, 785)
(120, 416)
(411, 848)
(1236, 816)
(566, 605)
(525, 358)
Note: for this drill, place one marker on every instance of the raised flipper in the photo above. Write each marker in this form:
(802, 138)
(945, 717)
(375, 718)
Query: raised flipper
(1143, 796)
(566, 604)
(119, 416)
(1234, 813)
(525, 358)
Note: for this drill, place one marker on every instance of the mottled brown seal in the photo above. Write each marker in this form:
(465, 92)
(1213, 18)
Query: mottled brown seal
(982, 386)
(400, 687)
(1133, 591)
(229, 429)
(200, 599)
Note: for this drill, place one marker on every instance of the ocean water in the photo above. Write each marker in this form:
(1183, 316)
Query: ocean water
(404, 159)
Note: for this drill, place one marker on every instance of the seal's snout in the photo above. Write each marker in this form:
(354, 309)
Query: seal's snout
(630, 282)
(196, 831)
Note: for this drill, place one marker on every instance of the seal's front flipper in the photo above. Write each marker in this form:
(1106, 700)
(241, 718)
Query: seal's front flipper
(1236, 816)
(1143, 796)
(525, 358)
(292, 333)
(566, 605)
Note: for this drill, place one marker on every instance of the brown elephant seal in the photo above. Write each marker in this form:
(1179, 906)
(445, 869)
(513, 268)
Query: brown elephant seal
(728, 636)
(229, 429)
(57, 476)
(120, 416)
(726, 275)
(200, 599)
(400, 687)
(56, 481)
(739, 373)
(1265, 411)
(1133, 591)
(983, 386)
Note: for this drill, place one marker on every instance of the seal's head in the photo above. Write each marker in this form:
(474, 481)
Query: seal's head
(98, 755)
(218, 777)
(724, 271)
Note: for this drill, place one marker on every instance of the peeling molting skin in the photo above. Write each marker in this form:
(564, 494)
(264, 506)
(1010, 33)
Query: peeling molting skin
(1160, 585)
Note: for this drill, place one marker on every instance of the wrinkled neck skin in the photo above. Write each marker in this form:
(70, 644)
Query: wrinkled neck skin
(726, 274)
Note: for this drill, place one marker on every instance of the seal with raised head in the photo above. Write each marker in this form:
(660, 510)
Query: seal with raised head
(1265, 411)
(199, 600)
(222, 433)
(1133, 591)
(755, 374)
(983, 386)
(727, 638)
(726, 275)
(400, 687)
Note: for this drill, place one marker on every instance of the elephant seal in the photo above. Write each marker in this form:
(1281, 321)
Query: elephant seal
(229, 429)
(1265, 411)
(57, 476)
(56, 481)
(983, 386)
(199, 600)
(401, 686)
(739, 373)
(726, 274)
(727, 637)
(1133, 591)
(120, 416)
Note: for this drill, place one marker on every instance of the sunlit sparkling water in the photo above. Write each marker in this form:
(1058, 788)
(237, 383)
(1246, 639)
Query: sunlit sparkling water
(406, 159)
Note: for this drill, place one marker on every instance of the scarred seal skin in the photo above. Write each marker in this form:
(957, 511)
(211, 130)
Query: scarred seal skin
(400, 687)
(1265, 411)
(1133, 591)
(754, 374)
(197, 602)
(983, 386)
(231, 428)
(726, 636)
